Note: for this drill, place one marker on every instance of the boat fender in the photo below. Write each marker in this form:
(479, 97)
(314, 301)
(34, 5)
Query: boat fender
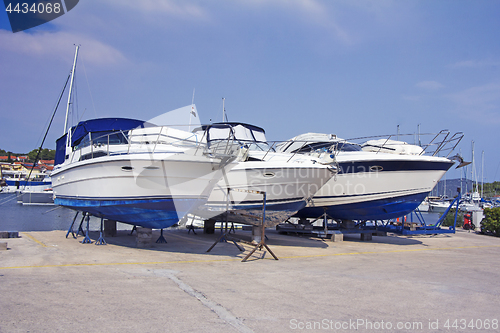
(328, 159)
(242, 154)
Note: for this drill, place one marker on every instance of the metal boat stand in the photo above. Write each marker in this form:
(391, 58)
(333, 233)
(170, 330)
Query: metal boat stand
(79, 230)
(133, 229)
(191, 227)
(161, 239)
(225, 235)
(425, 229)
(70, 230)
(101, 240)
(262, 242)
(87, 239)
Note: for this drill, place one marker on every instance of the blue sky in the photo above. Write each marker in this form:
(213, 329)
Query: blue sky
(352, 68)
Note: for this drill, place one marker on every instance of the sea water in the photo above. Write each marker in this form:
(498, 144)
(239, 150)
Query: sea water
(17, 217)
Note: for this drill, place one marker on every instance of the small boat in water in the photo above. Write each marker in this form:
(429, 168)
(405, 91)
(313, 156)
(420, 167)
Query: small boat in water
(374, 182)
(18, 181)
(30, 197)
(283, 181)
(438, 204)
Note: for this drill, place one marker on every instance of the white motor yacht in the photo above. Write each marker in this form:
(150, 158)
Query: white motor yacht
(283, 181)
(379, 180)
(134, 172)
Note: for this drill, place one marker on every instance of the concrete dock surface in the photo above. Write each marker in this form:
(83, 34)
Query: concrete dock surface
(442, 283)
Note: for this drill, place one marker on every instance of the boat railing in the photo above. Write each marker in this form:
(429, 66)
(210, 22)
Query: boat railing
(110, 143)
(440, 144)
(233, 146)
(164, 136)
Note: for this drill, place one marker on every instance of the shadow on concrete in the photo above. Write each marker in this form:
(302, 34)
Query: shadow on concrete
(180, 241)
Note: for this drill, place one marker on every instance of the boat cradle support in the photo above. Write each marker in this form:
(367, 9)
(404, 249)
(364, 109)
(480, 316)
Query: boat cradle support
(424, 229)
(86, 239)
(262, 243)
(334, 231)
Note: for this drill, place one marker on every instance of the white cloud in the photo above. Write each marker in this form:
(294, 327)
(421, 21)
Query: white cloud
(312, 12)
(55, 44)
(429, 85)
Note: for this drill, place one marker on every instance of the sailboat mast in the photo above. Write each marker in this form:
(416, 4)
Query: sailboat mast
(482, 174)
(473, 172)
(70, 90)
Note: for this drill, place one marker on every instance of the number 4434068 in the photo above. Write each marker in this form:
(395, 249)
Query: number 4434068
(473, 324)
(34, 8)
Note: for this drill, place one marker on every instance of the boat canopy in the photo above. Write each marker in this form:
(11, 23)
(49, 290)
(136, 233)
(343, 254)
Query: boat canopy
(235, 131)
(98, 127)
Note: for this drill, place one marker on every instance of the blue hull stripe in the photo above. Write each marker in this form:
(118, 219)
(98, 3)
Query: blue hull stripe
(26, 183)
(382, 209)
(357, 167)
(151, 213)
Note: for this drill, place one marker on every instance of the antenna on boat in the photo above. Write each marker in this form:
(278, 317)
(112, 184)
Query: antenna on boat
(70, 89)
(419, 142)
(193, 111)
(223, 110)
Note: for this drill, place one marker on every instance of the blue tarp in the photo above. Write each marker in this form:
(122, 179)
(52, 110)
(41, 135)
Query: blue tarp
(81, 130)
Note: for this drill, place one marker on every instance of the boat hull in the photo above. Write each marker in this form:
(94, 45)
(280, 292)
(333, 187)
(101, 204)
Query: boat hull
(381, 209)
(152, 191)
(155, 213)
(35, 197)
(287, 187)
(377, 189)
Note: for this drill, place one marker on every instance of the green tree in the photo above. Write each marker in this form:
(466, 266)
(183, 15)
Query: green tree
(491, 221)
(449, 219)
(45, 154)
(32, 155)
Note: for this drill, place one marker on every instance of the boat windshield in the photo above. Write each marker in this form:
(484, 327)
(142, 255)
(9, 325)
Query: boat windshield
(252, 137)
(328, 146)
(103, 138)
